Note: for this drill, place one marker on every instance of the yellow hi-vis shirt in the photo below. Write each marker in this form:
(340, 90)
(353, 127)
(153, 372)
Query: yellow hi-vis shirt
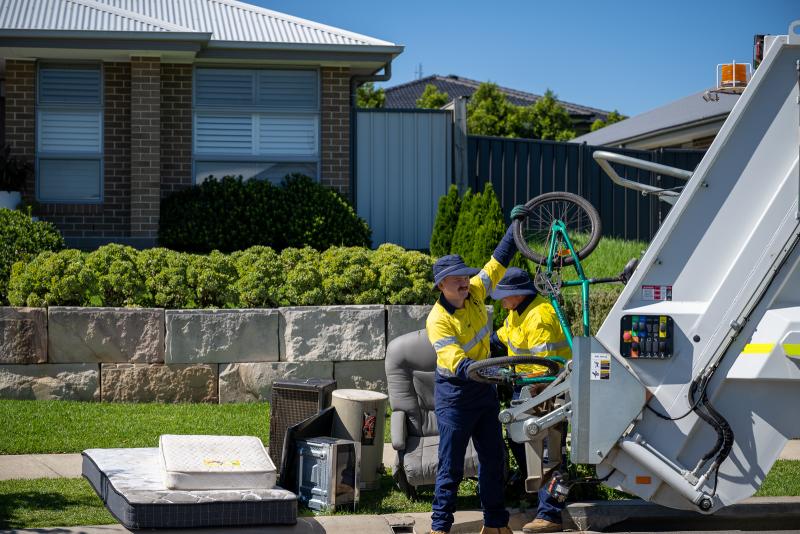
(535, 332)
(462, 333)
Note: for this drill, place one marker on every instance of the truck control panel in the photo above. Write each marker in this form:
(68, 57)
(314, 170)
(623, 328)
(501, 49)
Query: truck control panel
(646, 336)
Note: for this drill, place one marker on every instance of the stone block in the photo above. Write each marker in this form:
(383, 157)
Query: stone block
(404, 319)
(105, 335)
(135, 382)
(222, 336)
(369, 375)
(333, 333)
(71, 381)
(23, 335)
(251, 382)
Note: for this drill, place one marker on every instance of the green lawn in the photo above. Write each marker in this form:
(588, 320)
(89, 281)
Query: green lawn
(606, 260)
(37, 427)
(50, 502)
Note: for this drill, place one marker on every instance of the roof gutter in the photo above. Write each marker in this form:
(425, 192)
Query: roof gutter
(355, 81)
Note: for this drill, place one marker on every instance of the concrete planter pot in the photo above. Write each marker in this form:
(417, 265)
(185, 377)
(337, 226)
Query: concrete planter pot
(10, 199)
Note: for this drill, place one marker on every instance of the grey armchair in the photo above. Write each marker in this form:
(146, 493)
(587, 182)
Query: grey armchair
(410, 364)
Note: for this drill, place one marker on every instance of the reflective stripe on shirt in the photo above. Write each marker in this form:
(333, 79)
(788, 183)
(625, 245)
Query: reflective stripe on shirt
(482, 333)
(442, 343)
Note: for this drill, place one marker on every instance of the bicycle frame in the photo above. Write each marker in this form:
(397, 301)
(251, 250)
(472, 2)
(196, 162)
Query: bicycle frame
(558, 228)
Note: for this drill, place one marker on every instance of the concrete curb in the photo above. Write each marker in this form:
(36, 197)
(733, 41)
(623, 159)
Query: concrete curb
(756, 513)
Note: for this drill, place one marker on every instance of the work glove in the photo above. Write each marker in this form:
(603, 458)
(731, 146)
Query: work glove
(519, 212)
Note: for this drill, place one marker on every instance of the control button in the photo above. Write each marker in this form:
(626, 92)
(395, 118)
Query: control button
(662, 346)
(627, 337)
(641, 326)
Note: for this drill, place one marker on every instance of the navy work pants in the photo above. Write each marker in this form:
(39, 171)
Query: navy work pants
(455, 430)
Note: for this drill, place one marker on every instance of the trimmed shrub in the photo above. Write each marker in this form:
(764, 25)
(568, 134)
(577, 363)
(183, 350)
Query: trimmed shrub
(118, 279)
(212, 278)
(232, 214)
(319, 217)
(404, 277)
(348, 276)
(444, 225)
(166, 281)
(22, 238)
(53, 279)
(260, 277)
(303, 286)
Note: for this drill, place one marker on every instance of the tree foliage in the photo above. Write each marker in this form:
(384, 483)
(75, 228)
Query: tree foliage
(432, 98)
(612, 117)
(368, 96)
(546, 119)
(490, 113)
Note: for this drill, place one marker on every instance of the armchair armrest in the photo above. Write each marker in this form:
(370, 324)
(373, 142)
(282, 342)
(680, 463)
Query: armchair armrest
(399, 432)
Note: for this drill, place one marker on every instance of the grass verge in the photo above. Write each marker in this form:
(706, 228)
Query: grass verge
(41, 427)
(50, 502)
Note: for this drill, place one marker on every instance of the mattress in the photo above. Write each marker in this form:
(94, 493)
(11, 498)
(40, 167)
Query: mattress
(130, 483)
(215, 462)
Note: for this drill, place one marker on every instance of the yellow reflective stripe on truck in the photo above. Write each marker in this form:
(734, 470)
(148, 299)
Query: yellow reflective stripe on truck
(792, 350)
(758, 348)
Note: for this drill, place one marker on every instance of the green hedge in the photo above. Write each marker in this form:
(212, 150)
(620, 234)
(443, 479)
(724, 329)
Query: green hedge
(22, 238)
(117, 275)
(232, 214)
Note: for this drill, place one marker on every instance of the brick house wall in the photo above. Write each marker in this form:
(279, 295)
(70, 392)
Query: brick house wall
(147, 142)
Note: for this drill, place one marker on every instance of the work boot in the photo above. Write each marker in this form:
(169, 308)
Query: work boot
(541, 525)
(496, 530)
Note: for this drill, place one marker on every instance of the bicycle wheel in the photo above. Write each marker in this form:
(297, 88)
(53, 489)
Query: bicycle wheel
(499, 370)
(581, 219)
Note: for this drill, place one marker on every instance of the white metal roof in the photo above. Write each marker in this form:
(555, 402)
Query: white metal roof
(682, 113)
(225, 20)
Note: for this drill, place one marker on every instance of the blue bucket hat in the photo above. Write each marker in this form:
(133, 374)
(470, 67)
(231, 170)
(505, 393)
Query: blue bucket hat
(515, 282)
(451, 265)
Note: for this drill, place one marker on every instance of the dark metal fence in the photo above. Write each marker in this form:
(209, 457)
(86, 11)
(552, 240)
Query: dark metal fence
(520, 169)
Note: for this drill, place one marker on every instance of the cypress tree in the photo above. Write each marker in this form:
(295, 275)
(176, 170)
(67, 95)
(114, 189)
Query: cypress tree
(465, 227)
(445, 224)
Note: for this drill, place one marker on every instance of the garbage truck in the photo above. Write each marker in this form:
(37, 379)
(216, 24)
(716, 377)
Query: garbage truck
(690, 389)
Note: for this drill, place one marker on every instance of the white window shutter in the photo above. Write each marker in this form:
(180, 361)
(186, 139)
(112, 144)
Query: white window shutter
(220, 133)
(285, 135)
(285, 90)
(224, 87)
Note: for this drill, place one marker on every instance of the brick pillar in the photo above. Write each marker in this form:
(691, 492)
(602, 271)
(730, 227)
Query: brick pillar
(145, 145)
(335, 122)
(20, 132)
(176, 127)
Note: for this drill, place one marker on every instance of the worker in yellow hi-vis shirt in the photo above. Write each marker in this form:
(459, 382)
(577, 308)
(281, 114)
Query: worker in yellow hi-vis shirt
(531, 329)
(459, 330)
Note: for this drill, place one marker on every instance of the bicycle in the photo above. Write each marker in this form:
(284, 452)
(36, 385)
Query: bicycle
(554, 223)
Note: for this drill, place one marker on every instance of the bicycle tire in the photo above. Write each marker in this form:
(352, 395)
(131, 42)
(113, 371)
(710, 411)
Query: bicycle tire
(474, 369)
(568, 200)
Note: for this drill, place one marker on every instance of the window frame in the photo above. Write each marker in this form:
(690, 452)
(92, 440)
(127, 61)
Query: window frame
(255, 111)
(69, 155)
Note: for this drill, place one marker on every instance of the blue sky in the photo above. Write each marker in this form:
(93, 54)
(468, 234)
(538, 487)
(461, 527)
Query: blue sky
(631, 56)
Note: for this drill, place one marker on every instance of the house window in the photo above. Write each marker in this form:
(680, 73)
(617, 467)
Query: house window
(261, 124)
(69, 134)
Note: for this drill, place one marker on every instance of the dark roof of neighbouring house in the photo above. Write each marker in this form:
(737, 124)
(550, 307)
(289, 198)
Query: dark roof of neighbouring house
(681, 113)
(405, 95)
